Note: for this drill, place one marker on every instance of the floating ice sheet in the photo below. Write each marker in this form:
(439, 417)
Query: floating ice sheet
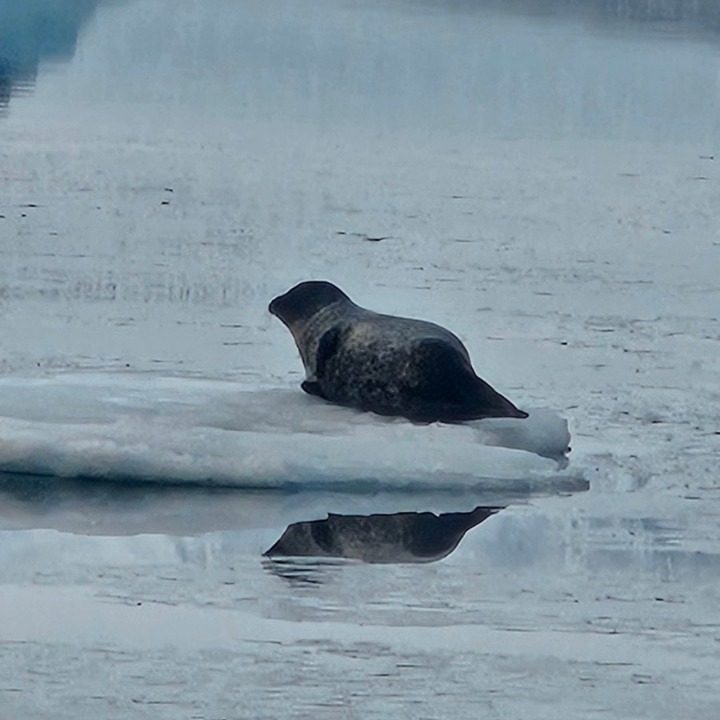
(184, 430)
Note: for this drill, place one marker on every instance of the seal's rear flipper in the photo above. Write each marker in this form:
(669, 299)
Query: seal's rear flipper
(312, 387)
(450, 388)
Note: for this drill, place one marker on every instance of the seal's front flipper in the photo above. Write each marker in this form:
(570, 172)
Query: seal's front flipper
(312, 387)
(327, 349)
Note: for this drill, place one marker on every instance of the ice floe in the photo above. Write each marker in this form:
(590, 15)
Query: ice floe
(125, 426)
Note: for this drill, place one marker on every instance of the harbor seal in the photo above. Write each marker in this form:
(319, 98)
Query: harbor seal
(381, 363)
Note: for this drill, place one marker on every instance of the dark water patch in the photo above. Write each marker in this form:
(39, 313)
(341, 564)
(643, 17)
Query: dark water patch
(33, 32)
(51, 490)
(447, 484)
(300, 572)
(668, 16)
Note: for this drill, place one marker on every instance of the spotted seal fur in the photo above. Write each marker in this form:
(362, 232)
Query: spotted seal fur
(381, 363)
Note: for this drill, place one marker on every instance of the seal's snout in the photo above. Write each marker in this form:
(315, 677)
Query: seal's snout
(280, 307)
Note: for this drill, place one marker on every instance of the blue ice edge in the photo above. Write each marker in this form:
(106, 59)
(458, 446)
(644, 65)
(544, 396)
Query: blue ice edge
(131, 428)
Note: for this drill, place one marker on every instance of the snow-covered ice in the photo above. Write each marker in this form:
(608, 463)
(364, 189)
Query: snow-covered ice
(173, 430)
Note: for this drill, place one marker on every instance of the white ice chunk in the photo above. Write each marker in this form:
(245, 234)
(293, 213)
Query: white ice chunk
(174, 430)
(544, 432)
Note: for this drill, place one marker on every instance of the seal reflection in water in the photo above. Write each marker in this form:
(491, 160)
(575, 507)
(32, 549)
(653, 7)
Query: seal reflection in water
(382, 363)
(399, 537)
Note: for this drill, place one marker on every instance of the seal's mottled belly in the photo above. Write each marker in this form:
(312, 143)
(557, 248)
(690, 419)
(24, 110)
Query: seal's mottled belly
(386, 364)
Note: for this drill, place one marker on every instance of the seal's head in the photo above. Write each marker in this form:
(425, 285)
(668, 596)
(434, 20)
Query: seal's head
(305, 299)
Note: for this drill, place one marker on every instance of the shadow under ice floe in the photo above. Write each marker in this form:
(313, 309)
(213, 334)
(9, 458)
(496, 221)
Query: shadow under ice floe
(392, 538)
(109, 508)
(133, 427)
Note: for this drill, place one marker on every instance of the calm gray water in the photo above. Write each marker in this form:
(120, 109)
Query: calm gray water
(644, 69)
(541, 177)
